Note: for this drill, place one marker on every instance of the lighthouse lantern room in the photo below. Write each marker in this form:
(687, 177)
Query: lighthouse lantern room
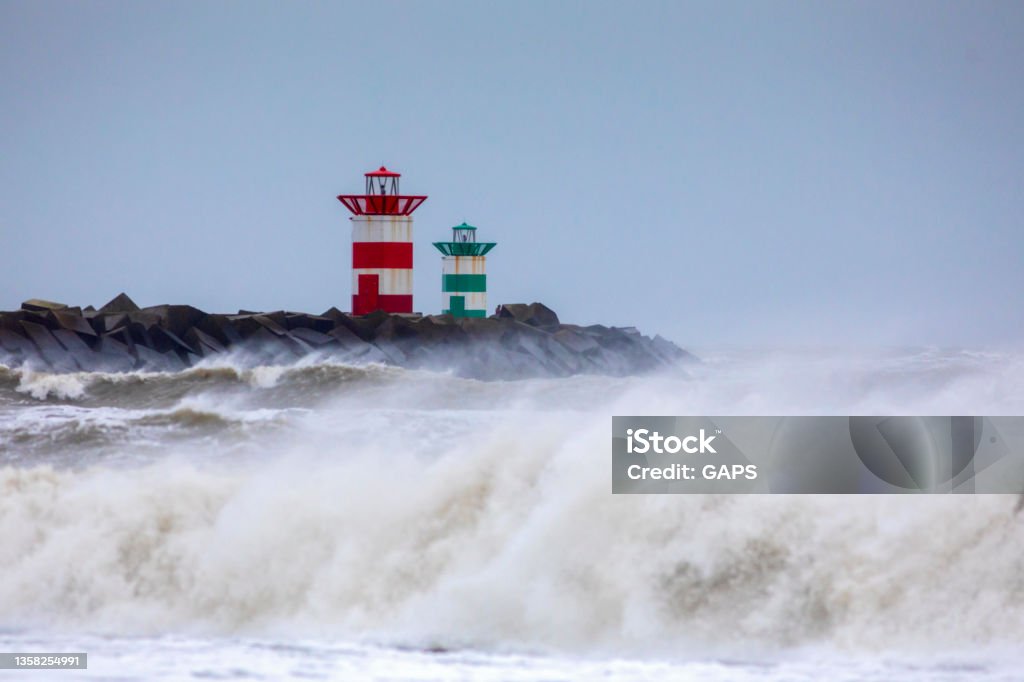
(381, 244)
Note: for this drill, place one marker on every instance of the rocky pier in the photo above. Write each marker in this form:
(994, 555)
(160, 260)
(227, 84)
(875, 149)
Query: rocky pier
(518, 341)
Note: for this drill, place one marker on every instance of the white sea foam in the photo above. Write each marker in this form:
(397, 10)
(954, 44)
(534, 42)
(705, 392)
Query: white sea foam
(437, 511)
(42, 385)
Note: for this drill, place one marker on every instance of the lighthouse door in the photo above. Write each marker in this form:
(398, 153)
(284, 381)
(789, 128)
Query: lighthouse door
(367, 296)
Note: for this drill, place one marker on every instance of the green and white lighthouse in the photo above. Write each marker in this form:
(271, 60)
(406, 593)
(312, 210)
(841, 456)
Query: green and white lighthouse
(464, 275)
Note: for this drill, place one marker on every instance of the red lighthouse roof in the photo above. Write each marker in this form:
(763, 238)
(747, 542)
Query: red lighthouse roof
(383, 172)
(381, 196)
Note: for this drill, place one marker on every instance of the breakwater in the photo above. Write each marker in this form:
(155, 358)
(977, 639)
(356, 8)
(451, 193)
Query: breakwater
(518, 341)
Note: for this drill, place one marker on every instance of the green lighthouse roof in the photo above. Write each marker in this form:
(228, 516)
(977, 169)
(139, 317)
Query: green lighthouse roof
(464, 226)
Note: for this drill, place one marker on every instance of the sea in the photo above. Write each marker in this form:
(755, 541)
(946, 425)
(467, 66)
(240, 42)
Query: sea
(329, 521)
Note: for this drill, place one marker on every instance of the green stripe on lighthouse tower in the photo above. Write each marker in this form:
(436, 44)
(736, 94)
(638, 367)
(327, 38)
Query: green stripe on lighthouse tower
(464, 277)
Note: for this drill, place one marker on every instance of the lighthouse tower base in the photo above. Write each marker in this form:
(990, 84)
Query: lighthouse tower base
(464, 286)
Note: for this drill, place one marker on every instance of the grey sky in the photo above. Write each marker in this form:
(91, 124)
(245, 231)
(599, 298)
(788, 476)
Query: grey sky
(717, 172)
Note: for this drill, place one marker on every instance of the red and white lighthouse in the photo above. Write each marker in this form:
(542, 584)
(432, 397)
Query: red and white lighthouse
(381, 244)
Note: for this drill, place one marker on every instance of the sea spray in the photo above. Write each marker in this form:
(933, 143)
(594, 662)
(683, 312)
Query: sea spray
(426, 510)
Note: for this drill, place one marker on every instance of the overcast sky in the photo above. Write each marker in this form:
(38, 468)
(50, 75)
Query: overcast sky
(721, 173)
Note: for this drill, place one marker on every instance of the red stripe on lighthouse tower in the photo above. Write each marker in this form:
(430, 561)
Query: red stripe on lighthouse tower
(382, 255)
(382, 251)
